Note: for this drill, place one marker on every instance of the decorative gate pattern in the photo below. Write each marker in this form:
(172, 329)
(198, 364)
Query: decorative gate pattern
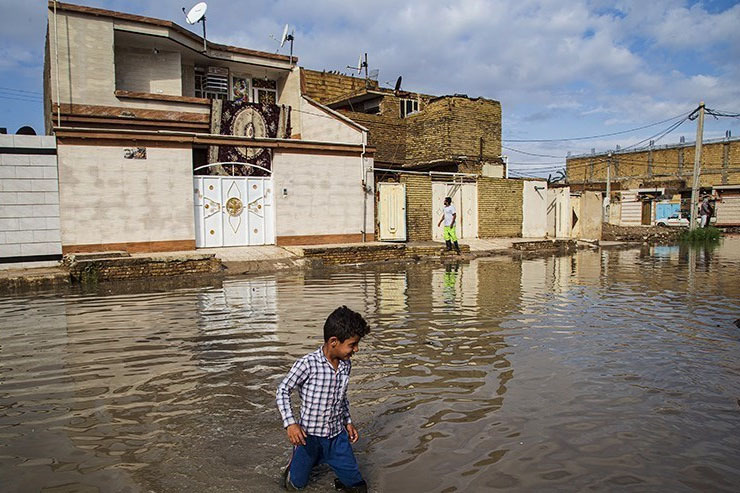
(233, 211)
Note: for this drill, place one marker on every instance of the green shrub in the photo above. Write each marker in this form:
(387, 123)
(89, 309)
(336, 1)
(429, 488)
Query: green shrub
(701, 234)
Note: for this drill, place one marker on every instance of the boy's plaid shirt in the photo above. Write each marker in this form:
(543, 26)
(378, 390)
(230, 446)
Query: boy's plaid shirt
(324, 404)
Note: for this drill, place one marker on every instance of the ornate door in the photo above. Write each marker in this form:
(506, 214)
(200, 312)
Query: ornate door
(233, 211)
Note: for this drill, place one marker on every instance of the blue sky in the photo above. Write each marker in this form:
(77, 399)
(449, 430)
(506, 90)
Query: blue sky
(560, 69)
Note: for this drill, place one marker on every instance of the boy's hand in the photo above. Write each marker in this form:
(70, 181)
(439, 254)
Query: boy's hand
(352, 432)
(296, 435)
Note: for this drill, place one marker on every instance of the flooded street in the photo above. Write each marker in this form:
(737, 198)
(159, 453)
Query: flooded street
(597, 371)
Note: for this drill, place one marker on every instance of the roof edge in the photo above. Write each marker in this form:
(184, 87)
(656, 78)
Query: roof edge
(94, 11)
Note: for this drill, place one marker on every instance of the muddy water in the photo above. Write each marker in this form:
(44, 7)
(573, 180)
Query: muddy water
(597, 371)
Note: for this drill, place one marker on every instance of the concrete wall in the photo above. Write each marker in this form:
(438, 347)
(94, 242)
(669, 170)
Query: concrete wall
(323, 126)
(558, 212)
(324, 195)
(499, 207)
(29, 197)
(289, 94)
(142, 70)
(107, 199)
(86, 69)
(534, 209)
(587, 207)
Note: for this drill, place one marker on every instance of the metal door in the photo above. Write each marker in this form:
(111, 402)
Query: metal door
(392, 211)
(465, 199)
(233, 211)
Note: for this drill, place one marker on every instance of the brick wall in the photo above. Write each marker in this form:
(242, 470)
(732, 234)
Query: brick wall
(499, 207)
(720, 165)
(445, 129)
(29, 197)
(129, 268)
(418, 207)
(451, 127)
(325, 87)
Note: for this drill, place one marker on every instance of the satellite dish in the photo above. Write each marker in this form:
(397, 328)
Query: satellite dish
(398, 84)
(284, 37)
(196, 13)
(359, 64)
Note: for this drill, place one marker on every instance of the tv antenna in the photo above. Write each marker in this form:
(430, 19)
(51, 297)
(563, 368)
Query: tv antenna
(360, 65)
(197, 14)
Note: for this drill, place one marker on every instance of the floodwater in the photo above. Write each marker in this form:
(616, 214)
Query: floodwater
(601, 370)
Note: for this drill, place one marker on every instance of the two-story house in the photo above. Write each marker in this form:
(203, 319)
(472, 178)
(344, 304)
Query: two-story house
(169, 142)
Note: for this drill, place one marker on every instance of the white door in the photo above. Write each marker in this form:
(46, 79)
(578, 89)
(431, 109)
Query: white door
(465, 199)
(233, 211)
(392, 211)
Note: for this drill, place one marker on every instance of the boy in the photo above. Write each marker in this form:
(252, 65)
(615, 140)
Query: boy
(449, 214)
(324, 431)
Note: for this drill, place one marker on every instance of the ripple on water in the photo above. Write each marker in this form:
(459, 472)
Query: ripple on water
(611, 369)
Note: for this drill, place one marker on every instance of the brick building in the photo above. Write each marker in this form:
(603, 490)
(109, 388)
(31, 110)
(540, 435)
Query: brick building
(416, 131)
(651, 182)
(429, 147)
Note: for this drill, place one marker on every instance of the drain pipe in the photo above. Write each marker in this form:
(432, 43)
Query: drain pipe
(56, 59)
(363, 176)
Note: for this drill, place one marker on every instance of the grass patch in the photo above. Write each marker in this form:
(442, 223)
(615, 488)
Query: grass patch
(699, 235)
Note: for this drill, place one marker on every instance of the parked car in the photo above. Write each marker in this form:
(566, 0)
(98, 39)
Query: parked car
(679, 219)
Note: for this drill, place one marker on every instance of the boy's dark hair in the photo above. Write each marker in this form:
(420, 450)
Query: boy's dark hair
(448, 200)
(344, 323)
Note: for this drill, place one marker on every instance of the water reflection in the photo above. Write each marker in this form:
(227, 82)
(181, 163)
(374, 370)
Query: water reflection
(597, 370)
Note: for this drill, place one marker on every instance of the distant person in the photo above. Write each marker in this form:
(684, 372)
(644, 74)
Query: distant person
(449, 216)
(324, 431)
(705, 212)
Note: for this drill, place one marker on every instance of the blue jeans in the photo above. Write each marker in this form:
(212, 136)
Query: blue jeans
(336, 451)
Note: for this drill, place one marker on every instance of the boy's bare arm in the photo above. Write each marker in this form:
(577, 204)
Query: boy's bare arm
(296, 434)
(297, 375)
(354, 435)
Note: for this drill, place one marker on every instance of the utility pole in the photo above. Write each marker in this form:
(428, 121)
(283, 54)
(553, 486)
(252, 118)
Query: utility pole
(608, 198)
(697, 165)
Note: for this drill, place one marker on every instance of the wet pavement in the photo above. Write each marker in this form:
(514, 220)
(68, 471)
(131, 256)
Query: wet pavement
(601, 370)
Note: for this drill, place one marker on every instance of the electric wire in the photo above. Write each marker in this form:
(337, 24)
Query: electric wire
(590, 137)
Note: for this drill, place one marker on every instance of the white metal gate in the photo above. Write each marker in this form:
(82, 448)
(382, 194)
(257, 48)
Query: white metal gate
(392, 211)
(465, 199)
(233, 211)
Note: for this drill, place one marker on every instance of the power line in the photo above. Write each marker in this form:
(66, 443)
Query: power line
(21, 90)
(598, 136)
(530, 153)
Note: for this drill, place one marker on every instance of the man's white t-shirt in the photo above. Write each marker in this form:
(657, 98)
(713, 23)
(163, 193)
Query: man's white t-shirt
(449, 211)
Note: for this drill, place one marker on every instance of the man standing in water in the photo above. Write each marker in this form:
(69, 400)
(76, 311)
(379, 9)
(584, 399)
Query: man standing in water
(449, 215)
(705, 212)
(325, 430)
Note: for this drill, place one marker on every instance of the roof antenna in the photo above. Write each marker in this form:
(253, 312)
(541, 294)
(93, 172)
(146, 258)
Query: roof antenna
(195, 15)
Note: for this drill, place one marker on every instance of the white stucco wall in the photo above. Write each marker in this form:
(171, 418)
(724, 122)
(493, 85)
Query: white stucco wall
(324, 195)
(322, 126)
(143, 70)
(29, 197)
(106, 198)
(534, 209)
(86, 70)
